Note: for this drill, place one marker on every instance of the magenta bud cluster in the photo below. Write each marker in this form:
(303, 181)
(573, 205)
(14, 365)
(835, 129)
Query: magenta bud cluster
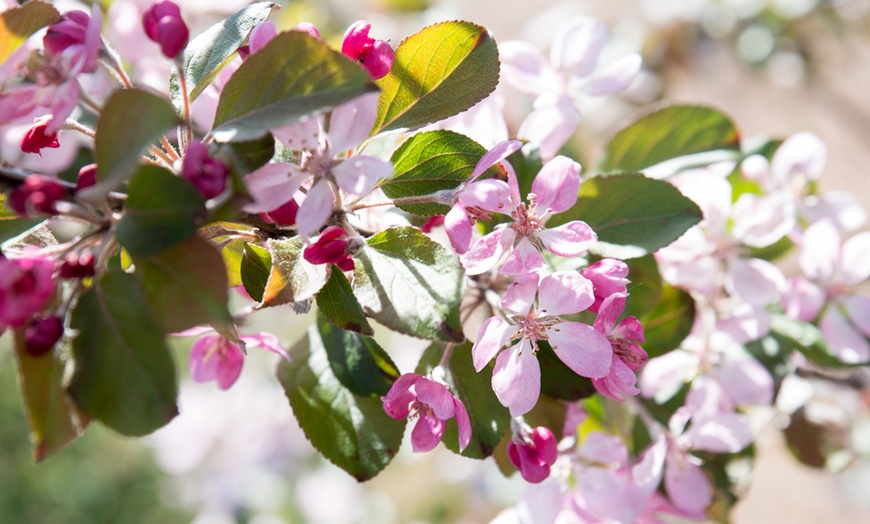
(375, 55)
(330, 248)
(163, 24)
(208, 175)
(42, 335)
(36, 196)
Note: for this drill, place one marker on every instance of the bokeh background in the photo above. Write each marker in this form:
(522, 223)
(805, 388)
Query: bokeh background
(776, 67)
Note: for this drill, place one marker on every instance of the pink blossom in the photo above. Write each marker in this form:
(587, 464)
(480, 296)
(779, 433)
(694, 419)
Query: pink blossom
(213, 357)
(375, 55)
(554, 191)
(75, 42)
(534, 316)
(607, 277)
(163, 24)
(432, 404)
(532, 451)
(26, 285)
(628, 356)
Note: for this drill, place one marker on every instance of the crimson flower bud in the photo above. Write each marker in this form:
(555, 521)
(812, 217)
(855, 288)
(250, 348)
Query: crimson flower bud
(87, 177)
(284, 215)
(77, 265)
(163, 24)
(330, 248)
(36, 196)
(533, 451)
(36, 138)
(208, 175)
(42, 335)
(375, 55)
(432, 223)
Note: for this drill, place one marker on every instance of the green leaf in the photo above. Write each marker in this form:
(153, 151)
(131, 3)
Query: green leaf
(18, 23)
(206, 55)
(441, 71)
(411, 284)
(124, 375)
(232, 254)
(292, 279)
(489, 419)
(357, 361)
(432, 161)
(645, 289)
(51, 416)
(351, 431)
(293, 76)
(337, 303)
(633, 215)
(161, 211)
(808, 339)
(255, 268)
(247, 157)
(119, 144)
(557, 379)
(185, 285)
(11, 225)
(668, 133)
(666, 326)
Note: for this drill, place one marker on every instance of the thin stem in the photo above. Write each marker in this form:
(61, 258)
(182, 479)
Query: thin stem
(423, 199)
(445, 357)
(185, 135)
(112, 62)
(91, 104)
(170, 151)
(73, 125)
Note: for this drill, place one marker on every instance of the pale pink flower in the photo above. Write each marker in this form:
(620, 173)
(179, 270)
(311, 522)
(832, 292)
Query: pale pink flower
(322, 157)
(534, 315)
(432, 404)
(554, 190)
(628, 356)
(26, 285)
(607, 277)
(572, 71)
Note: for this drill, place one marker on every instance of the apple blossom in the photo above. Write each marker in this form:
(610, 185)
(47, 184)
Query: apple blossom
(214, 357)
(26, 285)
(628, 356)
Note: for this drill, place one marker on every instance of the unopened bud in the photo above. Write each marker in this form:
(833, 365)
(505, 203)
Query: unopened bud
(87, 177)
(36, 137)
(284, 215)
(533, 451)
(163, 24)
(36, 196)
(78, 265)
(208, 175)
(375, 55)
(42, 335)
(331, 247)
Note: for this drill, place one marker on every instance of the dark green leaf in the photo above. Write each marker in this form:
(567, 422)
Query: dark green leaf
(357, 361)
(411, 284)
(557, 379)
(633, 215)
(489, 419)
(51, 416)
(11, 225)
(666, 326)
(337, 303)
(353, 432)
(247, 157)
(293, 76)
(119, 144)
(185, 285)
(124, 375)
(206, 55)
(645, 289)
(255, 268)
(161, 211)
(668, 133)
(18, 23)
(443, 70)
(432, 161)
(292, 279)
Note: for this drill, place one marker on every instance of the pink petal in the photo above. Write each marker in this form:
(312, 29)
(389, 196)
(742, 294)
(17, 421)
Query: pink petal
(493, 335)
(358, 174)
(620, 383)
(756, 281)
(261, 35)
(427, 433)
(761, 220)
(855, 259)
(463, 424)
(266, 341)
(524, 259)
(495, 155)
(516, 379)
(398, 400)
(609, 312)
(272, 186)
(614, 78)
(577, 45)
(586, 351)
(525, 68)
(487, 251)
(564, 293)
(845, 341)
(351, 122)
(520, 295)
(840, 206)
(858, 310)
(687, 486)
(803, 155)
(820, 251)
(550, 125)
(745, 381)
(304, 135)
(569, 240)
(667, 372)
(315, 210)
(557, 185)
(802, 299)
(459, 228)
(202, 369)
(490, 194)
(630, 329)
(603, 448)
(436, 396)
(722, 433)
(230, 366)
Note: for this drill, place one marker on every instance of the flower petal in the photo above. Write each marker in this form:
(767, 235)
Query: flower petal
(721, 433)
(614, 78)
(557, 185)
(436, 396)
(463, 423)
(520, 295)
(550, 125)
(487, 251)
(855, 259)
(845, 341)
(858, 309)
(351, 122)
(516, 379)
(569, 240)
(802, 154)
(525, 68)
(687, 486)
(266, 341)
(820, 251)
(315, 209)
(358, 174)
(586, 351)
(524, 259)
(459, 228)
(493, 335)
(564, 293)
(272, 186)
(756, 281)
(495, 155)
(427, 433)
(577, 45)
